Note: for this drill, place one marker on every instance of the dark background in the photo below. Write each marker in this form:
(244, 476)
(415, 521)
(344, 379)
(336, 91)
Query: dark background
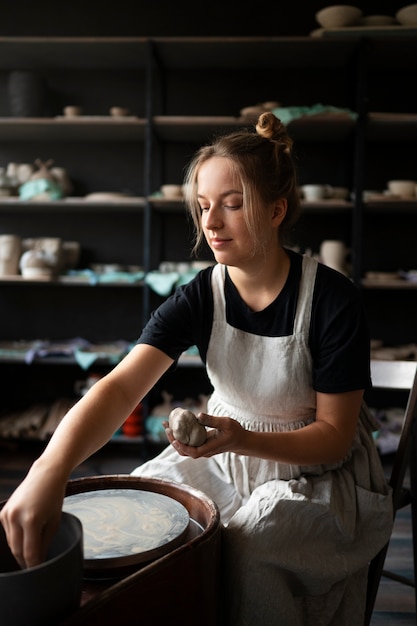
(167, 18)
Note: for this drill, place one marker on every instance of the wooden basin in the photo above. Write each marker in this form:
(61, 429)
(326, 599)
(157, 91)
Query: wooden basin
(181, 587)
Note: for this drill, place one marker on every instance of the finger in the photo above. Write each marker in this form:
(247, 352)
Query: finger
(208, 420)
(179, 447)
(34, 547)
(14, 535)
(169, 434)
(185, 450)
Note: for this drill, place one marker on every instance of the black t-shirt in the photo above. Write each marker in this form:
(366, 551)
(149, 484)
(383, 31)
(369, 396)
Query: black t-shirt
(338, 337)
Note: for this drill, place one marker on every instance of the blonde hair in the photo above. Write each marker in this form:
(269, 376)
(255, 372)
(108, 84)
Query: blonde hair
(263, 162)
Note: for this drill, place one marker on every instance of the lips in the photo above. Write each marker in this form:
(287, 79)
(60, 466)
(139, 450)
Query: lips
(217, 242)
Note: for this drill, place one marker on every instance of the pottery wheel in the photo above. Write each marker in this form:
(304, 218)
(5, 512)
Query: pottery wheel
(127, 523)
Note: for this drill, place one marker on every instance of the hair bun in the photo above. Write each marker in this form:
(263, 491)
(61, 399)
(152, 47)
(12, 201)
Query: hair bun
(270, 127)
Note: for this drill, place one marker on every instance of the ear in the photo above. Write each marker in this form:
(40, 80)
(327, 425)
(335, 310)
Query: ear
(279, 211)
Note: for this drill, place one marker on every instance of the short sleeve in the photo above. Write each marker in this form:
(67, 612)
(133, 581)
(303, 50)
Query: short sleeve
(183, 320)
(339, 335)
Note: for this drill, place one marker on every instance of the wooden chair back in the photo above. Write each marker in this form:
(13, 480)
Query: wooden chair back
(401, 376)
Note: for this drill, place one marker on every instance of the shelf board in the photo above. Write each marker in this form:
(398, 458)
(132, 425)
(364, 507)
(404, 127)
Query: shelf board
(73, 52)
(326, 206)
(97, 128)
(68, 281)
(393, 118)
(394, 283)
(326, 127)
(392, 33)
(54, 360)
(387, 205)
(392, 126)
(14, 204)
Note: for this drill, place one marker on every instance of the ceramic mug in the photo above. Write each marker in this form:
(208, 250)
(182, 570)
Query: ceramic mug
(403, 188)
(313, 193)
(333, 254)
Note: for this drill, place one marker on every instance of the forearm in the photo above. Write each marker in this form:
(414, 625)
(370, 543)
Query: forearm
(317, 443)
(87, 426)
(326, 440)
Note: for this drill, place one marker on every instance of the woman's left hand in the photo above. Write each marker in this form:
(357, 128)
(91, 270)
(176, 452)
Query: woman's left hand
(224, 434)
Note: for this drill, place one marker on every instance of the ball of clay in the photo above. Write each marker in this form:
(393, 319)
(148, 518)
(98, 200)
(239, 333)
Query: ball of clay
(186, 428)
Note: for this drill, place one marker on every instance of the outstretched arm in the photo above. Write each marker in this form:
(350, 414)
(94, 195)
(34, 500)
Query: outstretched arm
(31, 515)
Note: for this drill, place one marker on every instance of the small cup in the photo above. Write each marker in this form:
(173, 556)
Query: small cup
(403, 188)
(313, 193)
(119, 112)
(72, 111)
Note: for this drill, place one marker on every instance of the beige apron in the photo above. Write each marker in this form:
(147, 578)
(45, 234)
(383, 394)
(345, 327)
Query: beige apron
(293, 536)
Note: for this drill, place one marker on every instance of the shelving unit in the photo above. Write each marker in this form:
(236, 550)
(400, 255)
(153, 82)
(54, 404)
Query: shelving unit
(180, 92)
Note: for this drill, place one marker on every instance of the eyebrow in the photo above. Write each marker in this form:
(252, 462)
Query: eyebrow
(225, 194)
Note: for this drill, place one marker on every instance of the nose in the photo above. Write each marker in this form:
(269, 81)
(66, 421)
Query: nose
(212, 218)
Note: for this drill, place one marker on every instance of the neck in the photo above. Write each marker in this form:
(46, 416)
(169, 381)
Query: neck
(260, 285)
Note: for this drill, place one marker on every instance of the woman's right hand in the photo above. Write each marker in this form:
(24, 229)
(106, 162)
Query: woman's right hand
(32, 515)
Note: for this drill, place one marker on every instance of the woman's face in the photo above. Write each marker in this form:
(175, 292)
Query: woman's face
(220, 196)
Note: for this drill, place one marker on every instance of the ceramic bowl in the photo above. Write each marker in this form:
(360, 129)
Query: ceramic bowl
(407, 16)
(171, 191)
(338, 16)
(47, 593)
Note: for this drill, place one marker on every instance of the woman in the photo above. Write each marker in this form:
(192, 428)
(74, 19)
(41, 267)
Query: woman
(289, 457)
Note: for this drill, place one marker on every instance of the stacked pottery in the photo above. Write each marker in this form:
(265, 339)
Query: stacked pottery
(10, 251)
